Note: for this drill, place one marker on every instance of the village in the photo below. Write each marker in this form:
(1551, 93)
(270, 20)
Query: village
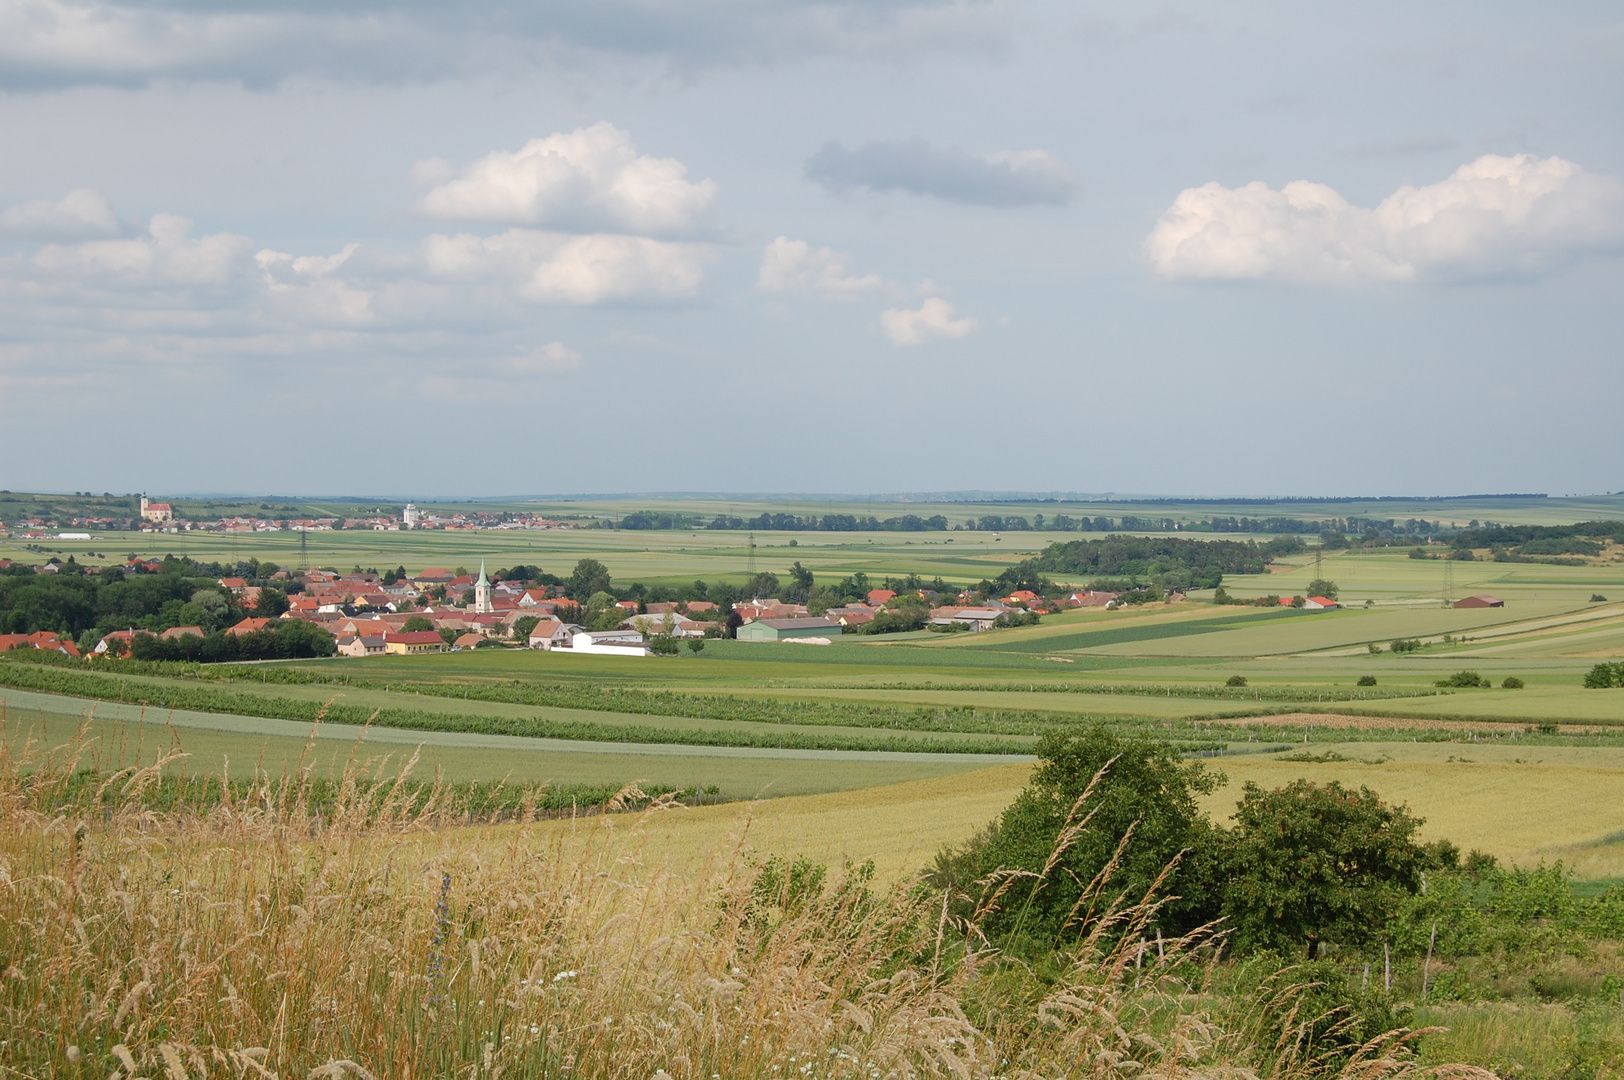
(443, 610)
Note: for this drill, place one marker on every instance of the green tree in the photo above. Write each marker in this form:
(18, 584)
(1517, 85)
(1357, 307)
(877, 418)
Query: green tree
(589, 576)
(271, 603)
(1318, 862)
(1145, 786)
(1322, 587)
(523, 625)
(416, 623)
(798, 592)
(696, 645)
(600, 612)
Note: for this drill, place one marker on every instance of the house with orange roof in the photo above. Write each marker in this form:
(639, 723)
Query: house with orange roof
(117, 643)
(466, 641)
(176, 632)
(878, 597)
(249, 626)
(1319, 603)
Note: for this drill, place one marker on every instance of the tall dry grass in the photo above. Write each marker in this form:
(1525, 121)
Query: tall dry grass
(254, 938)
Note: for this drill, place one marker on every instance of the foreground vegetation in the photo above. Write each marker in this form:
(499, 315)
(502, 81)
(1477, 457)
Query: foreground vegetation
(249, 934)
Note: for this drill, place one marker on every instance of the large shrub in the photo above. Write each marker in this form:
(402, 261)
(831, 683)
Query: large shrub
(1139, 786)
(1318, 862)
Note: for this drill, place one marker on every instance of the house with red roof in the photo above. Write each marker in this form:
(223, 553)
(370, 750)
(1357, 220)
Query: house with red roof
(1319, 603)
(413, 642)
(877, 597)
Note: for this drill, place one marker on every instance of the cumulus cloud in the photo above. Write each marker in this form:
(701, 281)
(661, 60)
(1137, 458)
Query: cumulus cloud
(586, 180)
(1493, 217)
(83, 212)
(555, 268)
(125, 42)
(931, 321)
(792, 266)
(1004, 178)
(164, 255)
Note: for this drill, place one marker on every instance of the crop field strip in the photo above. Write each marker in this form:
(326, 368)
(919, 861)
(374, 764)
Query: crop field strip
(242, 745)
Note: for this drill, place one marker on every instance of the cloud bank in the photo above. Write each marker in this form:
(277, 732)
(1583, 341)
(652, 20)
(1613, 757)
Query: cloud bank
(259, 42)
(1004, 178)
(931, 321)
(588, 179)
(1494, 217)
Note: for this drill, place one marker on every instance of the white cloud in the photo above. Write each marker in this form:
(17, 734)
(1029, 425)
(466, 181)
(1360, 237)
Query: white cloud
(1494, 216)
(164, 255)
(589, 179)
(931, 321)
(78, 213)
(552, 357)
(791, 266)
(308, 288)
(554, 268)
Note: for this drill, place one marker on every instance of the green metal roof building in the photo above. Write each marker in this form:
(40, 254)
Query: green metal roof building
(783, 629)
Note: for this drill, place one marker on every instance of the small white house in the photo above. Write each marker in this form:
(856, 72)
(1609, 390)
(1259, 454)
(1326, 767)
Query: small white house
(551, 634)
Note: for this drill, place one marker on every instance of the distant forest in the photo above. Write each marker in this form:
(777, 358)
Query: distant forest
(1166, 562)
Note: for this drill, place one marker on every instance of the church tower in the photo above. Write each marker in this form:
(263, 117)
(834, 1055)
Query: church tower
(482, 592)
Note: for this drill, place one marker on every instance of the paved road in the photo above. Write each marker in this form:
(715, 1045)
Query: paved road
(29, 701)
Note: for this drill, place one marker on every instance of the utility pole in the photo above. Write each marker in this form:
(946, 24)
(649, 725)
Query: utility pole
(750, 564)
(1449, 580)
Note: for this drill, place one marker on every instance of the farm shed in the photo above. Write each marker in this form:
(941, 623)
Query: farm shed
(1480, 600)
(784, 629)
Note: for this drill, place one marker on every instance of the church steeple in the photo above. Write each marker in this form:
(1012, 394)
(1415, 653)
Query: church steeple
(482, 592)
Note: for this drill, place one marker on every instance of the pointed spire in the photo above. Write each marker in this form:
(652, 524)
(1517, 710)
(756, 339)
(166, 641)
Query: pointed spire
(482, 579)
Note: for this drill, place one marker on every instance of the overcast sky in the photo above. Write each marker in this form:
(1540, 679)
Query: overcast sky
(736, 245)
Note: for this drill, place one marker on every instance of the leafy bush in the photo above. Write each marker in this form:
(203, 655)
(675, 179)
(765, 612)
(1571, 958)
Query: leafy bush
(1406, 645)
(1464, 679)
(1235, 680)
(1317, 862)
(1366, 680)
(1512, 683)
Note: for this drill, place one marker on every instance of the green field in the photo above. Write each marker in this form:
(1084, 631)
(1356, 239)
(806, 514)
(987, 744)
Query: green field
(867, 712)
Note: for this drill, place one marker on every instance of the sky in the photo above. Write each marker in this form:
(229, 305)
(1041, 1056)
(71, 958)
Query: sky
(418, 249)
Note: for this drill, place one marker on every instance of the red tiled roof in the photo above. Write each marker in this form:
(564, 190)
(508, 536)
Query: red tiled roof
(415, 637)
